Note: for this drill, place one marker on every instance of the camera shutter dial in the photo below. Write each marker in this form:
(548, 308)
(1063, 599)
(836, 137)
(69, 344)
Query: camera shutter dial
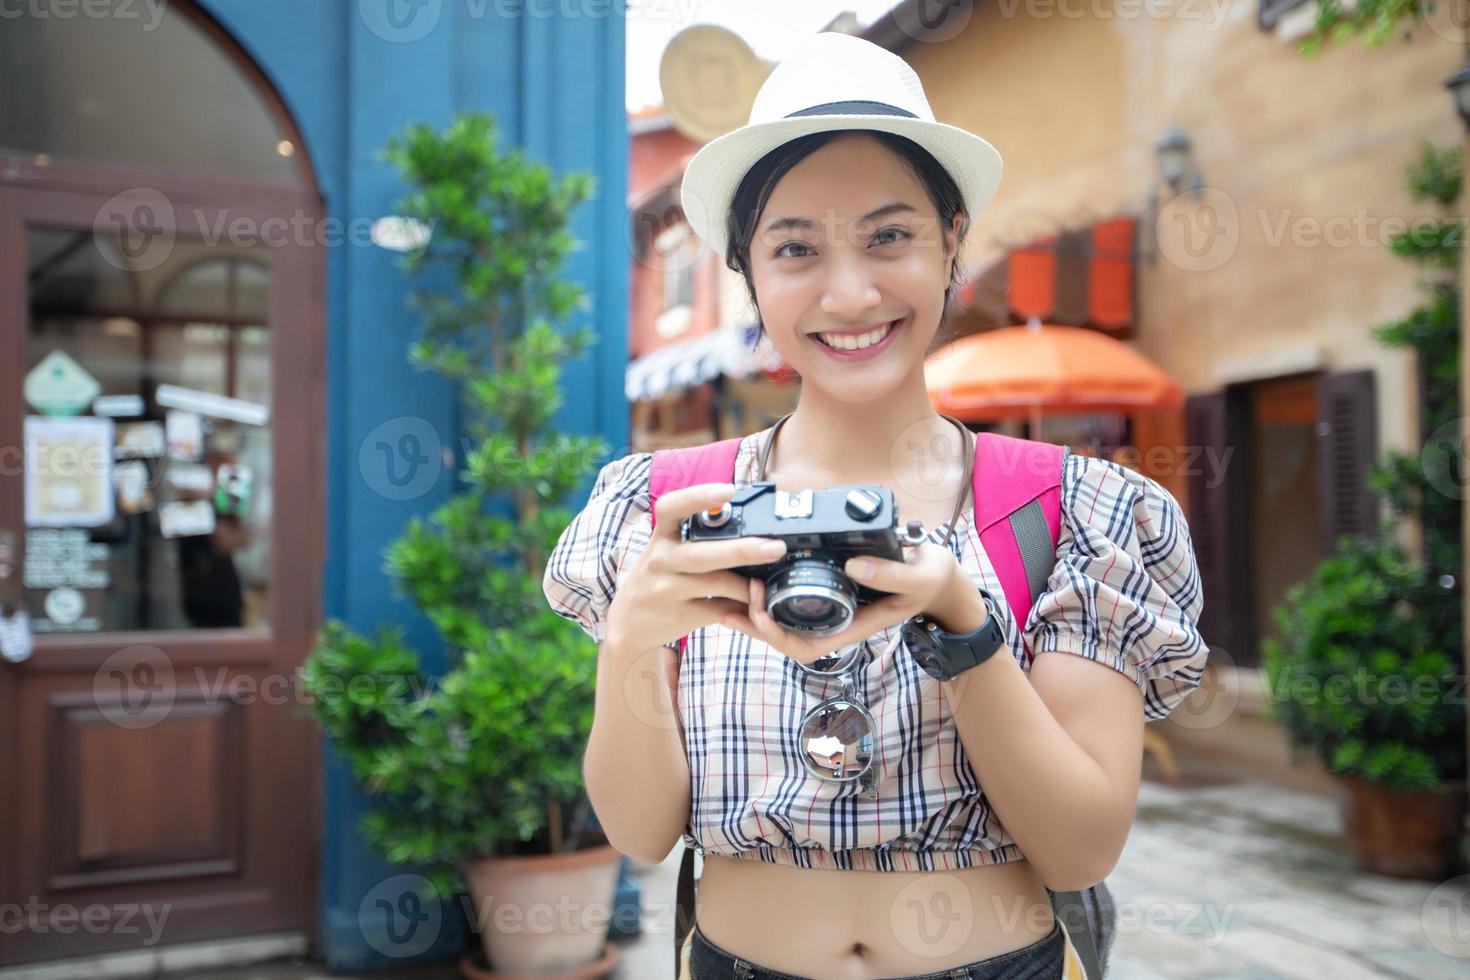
(716, 516)
(863, 505)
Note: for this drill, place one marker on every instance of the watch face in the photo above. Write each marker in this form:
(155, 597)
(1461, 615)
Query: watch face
(930, 663)
(924, 650)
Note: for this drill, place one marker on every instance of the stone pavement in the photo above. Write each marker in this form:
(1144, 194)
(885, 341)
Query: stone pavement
(1245, 881)
(1251, 881)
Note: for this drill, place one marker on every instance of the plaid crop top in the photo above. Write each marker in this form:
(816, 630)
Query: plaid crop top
(1125, 592)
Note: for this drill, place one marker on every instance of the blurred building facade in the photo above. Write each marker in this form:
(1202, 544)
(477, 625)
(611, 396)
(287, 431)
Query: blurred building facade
(189, 247)
(1261, 268)
(696, 373)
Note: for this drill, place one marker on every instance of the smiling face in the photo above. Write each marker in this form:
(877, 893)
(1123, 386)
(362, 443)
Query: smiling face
(850, 268)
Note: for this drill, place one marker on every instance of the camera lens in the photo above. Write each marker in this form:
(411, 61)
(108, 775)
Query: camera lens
(811, 596)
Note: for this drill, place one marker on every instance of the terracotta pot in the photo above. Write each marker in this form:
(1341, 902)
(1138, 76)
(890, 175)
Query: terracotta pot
(1405, 835)
(545, 915)
(472, 967)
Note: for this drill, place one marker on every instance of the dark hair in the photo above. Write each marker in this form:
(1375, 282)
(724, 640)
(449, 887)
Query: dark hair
(760, 180)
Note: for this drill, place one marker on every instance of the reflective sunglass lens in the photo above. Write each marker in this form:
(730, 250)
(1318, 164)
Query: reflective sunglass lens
(837, 740)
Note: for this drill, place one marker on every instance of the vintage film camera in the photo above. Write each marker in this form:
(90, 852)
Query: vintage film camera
(806, 589)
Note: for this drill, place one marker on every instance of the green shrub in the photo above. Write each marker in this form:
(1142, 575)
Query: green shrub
(484, 760)
(1361, 678)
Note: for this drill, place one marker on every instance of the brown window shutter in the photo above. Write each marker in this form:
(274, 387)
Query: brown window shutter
(1073, 251)
(1347, 429)
(1210, 515)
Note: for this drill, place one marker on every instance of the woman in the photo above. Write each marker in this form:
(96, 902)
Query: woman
(843, 204)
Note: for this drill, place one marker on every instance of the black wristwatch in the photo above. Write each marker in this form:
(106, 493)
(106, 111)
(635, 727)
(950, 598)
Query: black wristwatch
(945, 655)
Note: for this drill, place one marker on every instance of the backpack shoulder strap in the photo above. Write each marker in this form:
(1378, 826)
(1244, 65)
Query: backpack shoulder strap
(1018, 513)
(674, 469)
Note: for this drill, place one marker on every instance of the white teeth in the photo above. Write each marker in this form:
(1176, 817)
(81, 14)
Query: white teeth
(849, 341)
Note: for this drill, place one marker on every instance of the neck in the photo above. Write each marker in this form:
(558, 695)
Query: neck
(861, 441)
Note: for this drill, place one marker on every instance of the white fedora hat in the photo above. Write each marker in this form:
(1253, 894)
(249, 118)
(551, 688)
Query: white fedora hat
(833, 81)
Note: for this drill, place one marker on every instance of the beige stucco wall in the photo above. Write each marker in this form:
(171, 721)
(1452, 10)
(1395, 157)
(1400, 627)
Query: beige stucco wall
(1075, 103)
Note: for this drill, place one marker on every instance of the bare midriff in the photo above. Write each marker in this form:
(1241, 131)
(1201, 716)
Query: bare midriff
(818, 922)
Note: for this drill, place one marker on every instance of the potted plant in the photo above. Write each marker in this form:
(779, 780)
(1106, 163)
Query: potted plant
(1361, 677)
(477, 772)
(1368, 671)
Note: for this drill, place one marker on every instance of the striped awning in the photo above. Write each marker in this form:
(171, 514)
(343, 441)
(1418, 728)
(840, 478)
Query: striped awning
(726, 351)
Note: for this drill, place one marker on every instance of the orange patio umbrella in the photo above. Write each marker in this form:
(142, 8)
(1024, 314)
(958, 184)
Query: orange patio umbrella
(1025, 370)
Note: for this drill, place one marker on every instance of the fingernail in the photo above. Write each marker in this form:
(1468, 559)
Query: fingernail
(858, 568)
(773, 549)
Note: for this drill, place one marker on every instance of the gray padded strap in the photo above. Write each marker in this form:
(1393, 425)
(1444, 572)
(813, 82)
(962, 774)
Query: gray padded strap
(1033, 540)
(1072, 909)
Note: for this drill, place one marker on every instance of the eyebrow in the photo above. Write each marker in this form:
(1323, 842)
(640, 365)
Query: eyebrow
(806, 223)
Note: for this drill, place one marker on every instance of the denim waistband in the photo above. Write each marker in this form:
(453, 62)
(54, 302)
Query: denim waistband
(1041, 960)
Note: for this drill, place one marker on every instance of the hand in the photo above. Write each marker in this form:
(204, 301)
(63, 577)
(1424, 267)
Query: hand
(928, 580)
(677, 586)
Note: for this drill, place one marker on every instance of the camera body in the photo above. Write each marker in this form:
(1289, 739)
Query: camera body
(807, 590)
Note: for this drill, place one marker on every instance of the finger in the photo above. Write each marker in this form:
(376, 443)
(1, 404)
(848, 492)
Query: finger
(872, 618)
(882, 574)
(740, 622)
(711, 612)
(718, 610)
(800, 648)
(671, 508)
(876, 616)
(716, 584)
(764, 624)
(708, 556)
(743, 620)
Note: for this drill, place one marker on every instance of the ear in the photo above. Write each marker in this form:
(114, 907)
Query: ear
(952, 245)
(952, 234)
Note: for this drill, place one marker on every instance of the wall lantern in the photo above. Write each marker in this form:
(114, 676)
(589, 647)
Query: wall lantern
(1459, 86)
(1175, 153)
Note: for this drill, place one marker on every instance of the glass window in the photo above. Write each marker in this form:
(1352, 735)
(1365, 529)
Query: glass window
(152, 90)
(148, 439)
(679, 251)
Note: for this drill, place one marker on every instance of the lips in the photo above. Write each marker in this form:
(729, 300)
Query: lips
(857, 346)
(856, 341)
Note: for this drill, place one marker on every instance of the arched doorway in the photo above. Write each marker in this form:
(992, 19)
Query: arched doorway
(161, 376)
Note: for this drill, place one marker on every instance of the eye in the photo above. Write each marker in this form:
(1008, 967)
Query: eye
(902, 234)
(782, 253)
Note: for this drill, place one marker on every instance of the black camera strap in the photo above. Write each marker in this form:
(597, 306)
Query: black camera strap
(965, 487)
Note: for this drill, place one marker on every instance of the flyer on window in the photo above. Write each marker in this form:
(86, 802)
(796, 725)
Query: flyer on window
(68, 481)
(185, 435)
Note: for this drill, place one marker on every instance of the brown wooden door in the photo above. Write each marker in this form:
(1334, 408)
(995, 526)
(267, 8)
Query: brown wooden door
(160, 774)
(1216, 515)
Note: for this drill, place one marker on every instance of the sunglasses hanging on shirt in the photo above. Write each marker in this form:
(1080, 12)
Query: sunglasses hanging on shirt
(837, 734)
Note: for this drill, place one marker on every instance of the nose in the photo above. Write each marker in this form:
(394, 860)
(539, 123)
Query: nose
(850, 291)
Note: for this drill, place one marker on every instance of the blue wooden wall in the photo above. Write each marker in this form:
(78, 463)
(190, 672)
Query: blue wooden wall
(353, 72)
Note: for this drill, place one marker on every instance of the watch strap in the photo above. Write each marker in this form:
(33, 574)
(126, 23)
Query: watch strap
(959, 652)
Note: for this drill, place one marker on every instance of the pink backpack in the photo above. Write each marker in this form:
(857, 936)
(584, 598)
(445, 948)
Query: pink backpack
(1018, 512)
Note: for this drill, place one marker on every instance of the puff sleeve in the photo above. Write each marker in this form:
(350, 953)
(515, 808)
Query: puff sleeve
(603, 540)
(1125, 590)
